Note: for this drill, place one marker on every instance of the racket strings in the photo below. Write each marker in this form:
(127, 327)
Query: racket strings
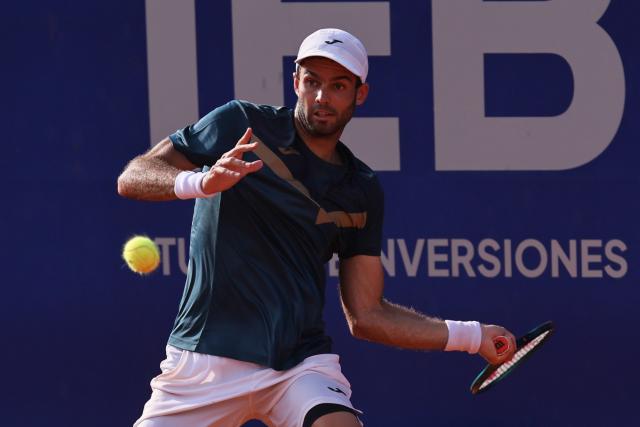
(518, 355)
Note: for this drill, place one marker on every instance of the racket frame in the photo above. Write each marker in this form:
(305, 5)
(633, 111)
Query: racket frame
(520, 343)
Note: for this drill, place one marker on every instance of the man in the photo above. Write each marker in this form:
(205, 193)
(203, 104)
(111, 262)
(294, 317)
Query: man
(278, 194)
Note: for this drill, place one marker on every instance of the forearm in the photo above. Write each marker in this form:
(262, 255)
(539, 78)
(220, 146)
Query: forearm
(148, 178)
(372, 318)
(399, 326)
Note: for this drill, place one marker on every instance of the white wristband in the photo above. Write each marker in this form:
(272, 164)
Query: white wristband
(463, 336)
(188, 185)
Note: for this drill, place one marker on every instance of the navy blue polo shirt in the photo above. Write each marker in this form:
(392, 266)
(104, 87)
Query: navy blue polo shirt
(255, 282)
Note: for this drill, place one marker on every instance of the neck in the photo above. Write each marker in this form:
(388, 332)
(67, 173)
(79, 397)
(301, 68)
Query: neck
(322, 146)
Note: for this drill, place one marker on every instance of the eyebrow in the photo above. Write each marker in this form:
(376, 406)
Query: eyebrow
(344, 77)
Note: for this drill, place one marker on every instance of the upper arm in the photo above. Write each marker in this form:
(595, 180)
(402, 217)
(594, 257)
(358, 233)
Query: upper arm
(367, 240)
(361, 273)
(361, 285)
(205, 141)
(165, 151)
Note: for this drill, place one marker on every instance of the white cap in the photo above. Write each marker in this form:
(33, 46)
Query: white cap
(339, 46)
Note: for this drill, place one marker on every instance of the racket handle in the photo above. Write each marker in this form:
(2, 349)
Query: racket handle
(502, 344)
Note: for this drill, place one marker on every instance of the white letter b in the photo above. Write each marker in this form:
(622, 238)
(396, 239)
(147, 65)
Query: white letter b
(465, 30)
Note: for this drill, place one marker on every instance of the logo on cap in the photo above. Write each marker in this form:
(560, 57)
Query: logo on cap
(333, 41)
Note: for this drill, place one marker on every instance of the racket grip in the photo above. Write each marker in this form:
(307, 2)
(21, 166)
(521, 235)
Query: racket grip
(502, 344)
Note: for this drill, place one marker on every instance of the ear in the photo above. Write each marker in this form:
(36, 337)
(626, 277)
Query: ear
(361, 93)
(296, 83)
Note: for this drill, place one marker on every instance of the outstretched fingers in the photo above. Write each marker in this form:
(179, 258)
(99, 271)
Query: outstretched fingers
(246, 137)
(230, 168)
(242, 146)
(238, 166)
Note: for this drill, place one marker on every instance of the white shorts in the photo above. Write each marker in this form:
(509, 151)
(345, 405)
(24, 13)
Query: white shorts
(197, 389)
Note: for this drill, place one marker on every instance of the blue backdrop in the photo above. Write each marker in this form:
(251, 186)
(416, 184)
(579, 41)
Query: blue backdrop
(513, 242)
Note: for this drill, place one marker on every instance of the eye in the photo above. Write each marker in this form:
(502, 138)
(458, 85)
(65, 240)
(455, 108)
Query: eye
(311, 82)
(339, 86)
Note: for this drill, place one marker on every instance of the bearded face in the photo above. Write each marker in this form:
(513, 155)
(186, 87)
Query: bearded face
(323, 120)
(327, 96)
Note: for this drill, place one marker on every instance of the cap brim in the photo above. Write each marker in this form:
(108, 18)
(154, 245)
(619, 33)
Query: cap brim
(340, 60)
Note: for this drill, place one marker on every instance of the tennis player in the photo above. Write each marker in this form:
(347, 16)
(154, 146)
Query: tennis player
(276, 194)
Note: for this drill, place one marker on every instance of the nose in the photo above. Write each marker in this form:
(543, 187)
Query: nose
(322, 96)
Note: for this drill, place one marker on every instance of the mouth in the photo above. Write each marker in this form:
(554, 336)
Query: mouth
(323, 114)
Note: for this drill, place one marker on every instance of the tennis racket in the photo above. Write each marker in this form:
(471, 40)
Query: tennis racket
(526, 346)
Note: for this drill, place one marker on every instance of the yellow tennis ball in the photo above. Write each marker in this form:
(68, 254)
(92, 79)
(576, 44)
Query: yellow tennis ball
(141, 254)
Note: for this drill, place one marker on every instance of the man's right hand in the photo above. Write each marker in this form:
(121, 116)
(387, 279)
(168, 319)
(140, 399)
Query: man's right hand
(230, 168)
(488, 347)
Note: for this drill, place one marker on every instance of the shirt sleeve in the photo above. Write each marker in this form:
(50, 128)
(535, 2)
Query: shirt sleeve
(367, 240)
(204, 142)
